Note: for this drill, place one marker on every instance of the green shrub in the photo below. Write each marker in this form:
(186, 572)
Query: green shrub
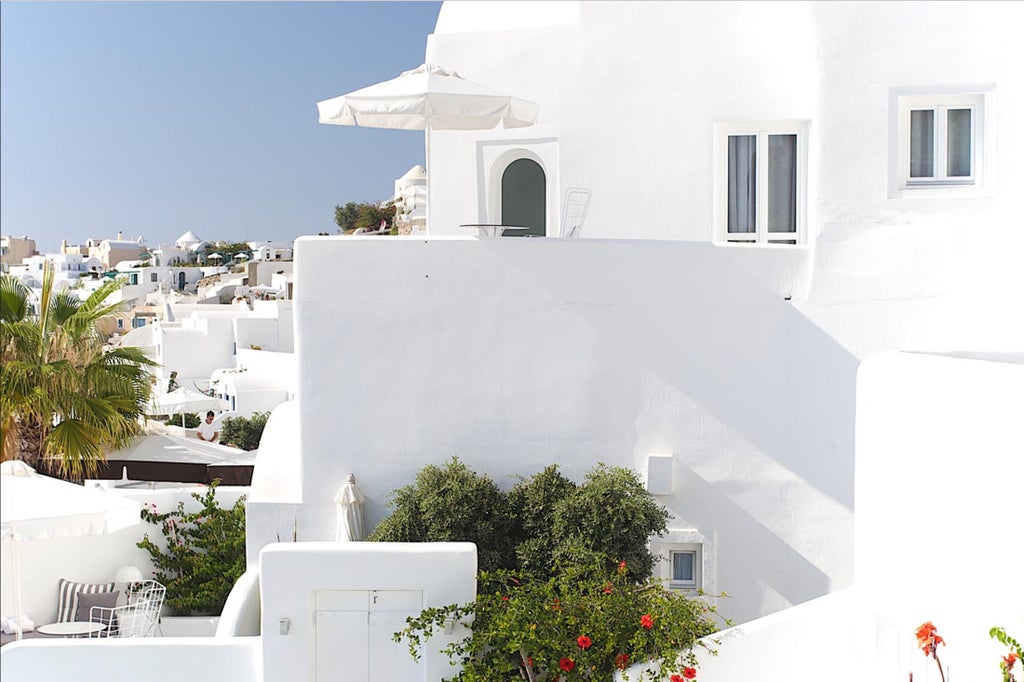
(452, 504)
(544, 519)
(205, 553)
(191, 420)
(244, 432)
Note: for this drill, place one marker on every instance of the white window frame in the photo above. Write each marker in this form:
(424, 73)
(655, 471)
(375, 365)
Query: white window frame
(685, 540)
(979, 98)
(685, 585)
(760, 129)
(940, 106)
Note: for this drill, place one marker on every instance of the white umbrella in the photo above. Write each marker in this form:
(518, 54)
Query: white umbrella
(183, 401)
(34, 507)
(350, 512)
(428, 97)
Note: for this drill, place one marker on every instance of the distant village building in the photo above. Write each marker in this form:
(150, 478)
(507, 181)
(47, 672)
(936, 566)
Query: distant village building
(411, 201)
(14, 249)
(112, 251)
(270, 251)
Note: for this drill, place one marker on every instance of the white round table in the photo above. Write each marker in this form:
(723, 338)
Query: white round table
(75, 628)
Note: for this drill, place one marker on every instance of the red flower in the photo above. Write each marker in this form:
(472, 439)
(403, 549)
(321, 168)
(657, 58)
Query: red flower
(1009, 660)
(676, 678)
(689, 673)
(583, 641)
(566, 664)
(647, 621)
(622, 567)
(607, 588)
(504, 599)
(927, 639)
(557, 606)
(621, 661)
(529, 661)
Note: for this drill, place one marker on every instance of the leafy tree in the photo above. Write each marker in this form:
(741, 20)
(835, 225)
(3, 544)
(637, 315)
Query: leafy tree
(451, 504)
(244, 432)
(205, 553)
(65, 398)
(346, 216)
(544, 521)
(365, 215)
(612, 515)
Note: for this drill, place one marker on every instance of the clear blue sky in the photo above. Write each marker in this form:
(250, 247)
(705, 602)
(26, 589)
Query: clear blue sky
(154, 118)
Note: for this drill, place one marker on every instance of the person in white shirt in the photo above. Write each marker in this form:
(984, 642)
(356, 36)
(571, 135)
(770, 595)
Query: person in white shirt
(207, 431)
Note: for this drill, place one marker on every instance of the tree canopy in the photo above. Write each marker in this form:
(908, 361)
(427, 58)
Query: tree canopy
(65, 398)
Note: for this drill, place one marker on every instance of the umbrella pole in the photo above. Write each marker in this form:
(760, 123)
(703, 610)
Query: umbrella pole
(429, 175)
(16, 570)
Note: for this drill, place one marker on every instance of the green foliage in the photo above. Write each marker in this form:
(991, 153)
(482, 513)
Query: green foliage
(244, 432)
(449, 504)
(191, 420)
(345, 216)
(366, 216)
(65, 398)
(612, 515)
(205, 553)
(543, 520)
(1007, 663)
(584, 623)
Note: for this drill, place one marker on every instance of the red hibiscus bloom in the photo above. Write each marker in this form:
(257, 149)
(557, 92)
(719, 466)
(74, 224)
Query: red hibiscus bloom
(1009, 660)
(566, 664)
(676, 678)
(583, 641)
(927, 638)
(621, 661)
(647, 621)
(689, 673)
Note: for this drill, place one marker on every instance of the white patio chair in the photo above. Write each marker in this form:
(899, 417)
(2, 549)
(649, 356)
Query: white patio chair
(574, 211)
(139, 616)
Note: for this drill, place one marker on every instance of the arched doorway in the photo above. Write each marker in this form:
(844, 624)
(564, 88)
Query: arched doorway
(523, 198)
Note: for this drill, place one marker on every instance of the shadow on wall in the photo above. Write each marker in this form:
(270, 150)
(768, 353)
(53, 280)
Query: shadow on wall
(514, 354)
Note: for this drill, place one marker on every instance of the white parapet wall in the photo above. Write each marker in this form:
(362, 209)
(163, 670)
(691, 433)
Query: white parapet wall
(330, 609)
(235, 659)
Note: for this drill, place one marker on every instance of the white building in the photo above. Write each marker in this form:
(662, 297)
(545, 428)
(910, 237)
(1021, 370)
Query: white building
(264, 251)
(734, 352)
(411, 201)
(681, 338)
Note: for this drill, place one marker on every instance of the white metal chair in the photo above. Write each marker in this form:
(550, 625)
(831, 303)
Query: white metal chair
(139, 616)
(574, 211)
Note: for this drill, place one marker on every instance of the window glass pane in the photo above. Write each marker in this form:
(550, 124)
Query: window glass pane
(742, 183)
(682, 566)
(782, 183)
(958, 143)
(922, 143)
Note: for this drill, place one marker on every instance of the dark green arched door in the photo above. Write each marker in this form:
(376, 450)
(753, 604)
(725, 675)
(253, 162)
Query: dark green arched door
(523, 198)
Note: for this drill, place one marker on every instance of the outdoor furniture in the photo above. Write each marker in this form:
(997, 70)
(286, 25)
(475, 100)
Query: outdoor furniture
(139, 617)
(492, 229)
(575, 211)
(73, 628)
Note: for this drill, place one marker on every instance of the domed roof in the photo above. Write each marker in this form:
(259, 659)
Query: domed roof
(417, 172)
(187, 239)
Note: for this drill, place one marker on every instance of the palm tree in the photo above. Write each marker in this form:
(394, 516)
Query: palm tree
(65, 399)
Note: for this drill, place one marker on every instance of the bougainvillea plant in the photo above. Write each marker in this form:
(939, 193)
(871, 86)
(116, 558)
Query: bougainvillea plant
(929, 640)
(581, 624)
(1007, 663)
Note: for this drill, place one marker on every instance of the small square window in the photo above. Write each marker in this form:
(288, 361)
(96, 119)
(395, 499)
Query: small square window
(938, 140)
(684, 567)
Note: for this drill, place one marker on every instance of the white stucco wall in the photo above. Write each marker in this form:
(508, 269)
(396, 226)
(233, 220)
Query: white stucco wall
(515, 354)
(294, 578)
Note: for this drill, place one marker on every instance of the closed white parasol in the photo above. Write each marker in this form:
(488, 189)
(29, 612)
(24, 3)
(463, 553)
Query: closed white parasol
(350, 512)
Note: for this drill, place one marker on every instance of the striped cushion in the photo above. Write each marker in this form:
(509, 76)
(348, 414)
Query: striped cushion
(67, 597)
